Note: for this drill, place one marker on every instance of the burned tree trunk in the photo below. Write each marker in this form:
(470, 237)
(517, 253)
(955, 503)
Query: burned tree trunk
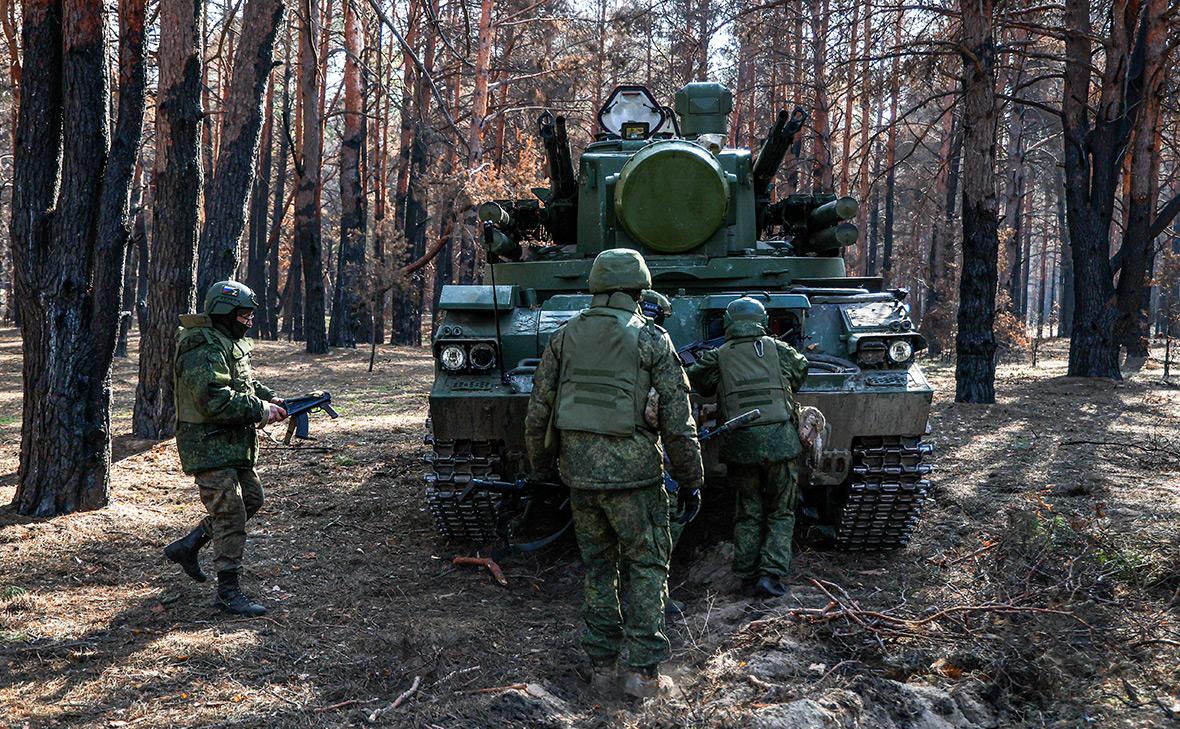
(69, 235)
(177, 178)
(307, 211)
(229, 190)
(350, 322)
(258, 235)
(975, 343)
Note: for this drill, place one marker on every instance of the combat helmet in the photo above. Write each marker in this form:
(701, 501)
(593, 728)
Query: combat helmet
(619, 269)
(745, 312)
(655, 305)
(224, 297)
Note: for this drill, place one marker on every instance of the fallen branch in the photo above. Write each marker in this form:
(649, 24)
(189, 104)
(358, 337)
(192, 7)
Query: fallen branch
(497, 689)
(485, 562)
(378, 713)
(1120, 444)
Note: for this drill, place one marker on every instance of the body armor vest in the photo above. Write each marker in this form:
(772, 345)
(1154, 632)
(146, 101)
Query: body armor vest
(751, 377)
(197, 331)
(602, 389)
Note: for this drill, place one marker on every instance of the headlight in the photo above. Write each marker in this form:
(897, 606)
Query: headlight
(452, 358)
(483, 356)
(900, 351)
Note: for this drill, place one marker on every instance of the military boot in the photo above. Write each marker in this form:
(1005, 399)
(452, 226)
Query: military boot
(604, 681)
(673, 609)
(184, 552)
(646, 683)
(230, 597)
(769, 586)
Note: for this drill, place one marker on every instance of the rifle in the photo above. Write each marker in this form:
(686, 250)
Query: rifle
(298, 409)
(741, 421)
(687, 353)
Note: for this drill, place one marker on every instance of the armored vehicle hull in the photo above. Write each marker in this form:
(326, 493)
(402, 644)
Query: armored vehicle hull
(864, 486)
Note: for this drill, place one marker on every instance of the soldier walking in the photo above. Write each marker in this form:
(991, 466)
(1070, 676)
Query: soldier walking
(219, 406)
(587, 414)
(752, 370)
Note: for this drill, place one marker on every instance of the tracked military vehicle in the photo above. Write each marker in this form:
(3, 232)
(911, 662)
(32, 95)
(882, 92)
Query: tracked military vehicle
(662, 181)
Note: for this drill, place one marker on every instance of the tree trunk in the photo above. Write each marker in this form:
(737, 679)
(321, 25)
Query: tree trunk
(479, 96)
(1093, 160)
(228, 194)
(258, 233)
(350, 322)
(850, 95)
(822, 176)
(407, 209)
(936, 318)
(307, 209)
(975, 343)
(1138, 248)
(131, 264)
(177, 178)
(69, 237)
(1065, 317)
(891, 152)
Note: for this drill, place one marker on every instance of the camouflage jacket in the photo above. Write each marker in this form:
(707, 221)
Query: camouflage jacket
(215, 387)
(603, 462)
(755, 443)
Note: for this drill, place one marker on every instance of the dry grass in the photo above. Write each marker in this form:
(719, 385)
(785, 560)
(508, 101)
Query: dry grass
(97, 629)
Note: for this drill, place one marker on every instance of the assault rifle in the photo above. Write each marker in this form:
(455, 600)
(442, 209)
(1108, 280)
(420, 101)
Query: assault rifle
(689, 509)
(298, 409)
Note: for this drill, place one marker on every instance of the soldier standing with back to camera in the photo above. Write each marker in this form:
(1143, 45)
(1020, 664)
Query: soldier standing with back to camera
(587, 413)
(219, 406)
(753, 370)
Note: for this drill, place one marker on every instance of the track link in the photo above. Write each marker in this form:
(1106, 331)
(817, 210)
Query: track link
(886, 493)
(451, 466)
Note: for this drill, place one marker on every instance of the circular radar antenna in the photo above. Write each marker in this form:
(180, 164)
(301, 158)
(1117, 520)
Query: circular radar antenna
(672, 196)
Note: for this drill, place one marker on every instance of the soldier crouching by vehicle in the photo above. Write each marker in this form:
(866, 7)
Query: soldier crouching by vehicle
(219, 406)
(753, 370)
(587, 412)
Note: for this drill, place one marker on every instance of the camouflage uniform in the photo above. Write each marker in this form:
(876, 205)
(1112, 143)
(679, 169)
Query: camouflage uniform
(215, 387)
(618, 500)
(761, 463)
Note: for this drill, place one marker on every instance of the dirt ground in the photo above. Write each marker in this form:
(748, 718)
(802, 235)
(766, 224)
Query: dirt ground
(1041, 589)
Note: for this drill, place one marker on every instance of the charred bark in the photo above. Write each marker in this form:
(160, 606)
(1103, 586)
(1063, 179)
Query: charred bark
(178, 178)
(229, 191)
(308, 231)
(70, 231)
(975, 343)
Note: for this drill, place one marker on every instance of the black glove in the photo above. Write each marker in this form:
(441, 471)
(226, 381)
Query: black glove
(688, 503)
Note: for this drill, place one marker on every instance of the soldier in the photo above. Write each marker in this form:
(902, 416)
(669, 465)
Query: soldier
(752, 370)
(218, 406)
(587, 413)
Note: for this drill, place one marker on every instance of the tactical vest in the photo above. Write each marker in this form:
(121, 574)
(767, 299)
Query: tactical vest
(752, 377)
(196, 330)
(602, 388)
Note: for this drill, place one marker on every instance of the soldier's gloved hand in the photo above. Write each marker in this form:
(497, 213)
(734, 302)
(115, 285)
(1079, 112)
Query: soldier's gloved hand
(274, 413)
(688, 503)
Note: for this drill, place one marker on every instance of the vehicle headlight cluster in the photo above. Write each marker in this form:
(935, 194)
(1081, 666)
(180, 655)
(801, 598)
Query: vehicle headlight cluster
(900, 350)
(884, 352)
(460, 356)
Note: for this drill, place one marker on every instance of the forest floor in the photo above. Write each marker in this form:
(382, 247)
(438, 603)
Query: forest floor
(1040, 590)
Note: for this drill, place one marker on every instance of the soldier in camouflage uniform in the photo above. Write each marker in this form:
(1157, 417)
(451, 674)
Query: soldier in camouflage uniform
(656, 307)
(586, 414)
(752, 370)
(219, 406)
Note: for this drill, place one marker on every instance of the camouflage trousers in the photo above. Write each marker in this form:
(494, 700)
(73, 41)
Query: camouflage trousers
(231, 496)
(764, 517)
(627, 529)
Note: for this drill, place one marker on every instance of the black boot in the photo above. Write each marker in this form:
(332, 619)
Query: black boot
(184, 552)
(231, 599)
(673, 609)
(769, 586)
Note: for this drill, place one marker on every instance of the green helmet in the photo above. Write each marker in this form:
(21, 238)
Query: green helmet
(225, 296)
(619, 269)
(745, 310)
(655, 305)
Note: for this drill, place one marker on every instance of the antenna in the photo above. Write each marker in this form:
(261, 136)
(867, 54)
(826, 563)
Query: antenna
(487, 238)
